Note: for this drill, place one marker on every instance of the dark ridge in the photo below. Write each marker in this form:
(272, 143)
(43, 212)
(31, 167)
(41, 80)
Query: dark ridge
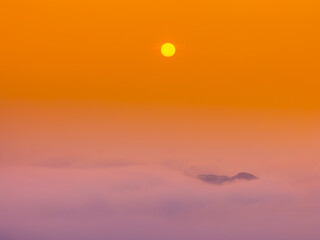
(245, 176)
(216, 179)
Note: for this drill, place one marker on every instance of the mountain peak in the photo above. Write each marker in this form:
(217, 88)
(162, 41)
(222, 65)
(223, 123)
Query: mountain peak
(216, 179)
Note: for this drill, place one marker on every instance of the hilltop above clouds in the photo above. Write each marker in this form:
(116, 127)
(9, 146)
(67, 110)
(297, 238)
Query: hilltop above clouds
(220, 179)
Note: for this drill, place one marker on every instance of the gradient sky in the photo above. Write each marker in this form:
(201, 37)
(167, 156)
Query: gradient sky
(84, 90)
(237, 54)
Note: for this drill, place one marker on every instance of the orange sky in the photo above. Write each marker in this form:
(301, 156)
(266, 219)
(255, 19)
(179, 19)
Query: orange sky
(261, 54)
(85, 79)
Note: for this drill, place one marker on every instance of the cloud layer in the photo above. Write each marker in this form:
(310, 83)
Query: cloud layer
(140, 202)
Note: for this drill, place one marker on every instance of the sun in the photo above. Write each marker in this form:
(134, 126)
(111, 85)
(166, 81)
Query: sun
(168, 49)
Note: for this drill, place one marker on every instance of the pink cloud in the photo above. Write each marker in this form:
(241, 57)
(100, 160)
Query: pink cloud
(150, 202)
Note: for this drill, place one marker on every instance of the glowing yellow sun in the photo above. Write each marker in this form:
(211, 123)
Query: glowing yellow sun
(168, 50)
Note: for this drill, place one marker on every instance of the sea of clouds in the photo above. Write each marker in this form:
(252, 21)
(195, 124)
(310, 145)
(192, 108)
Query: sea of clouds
(151, 202)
